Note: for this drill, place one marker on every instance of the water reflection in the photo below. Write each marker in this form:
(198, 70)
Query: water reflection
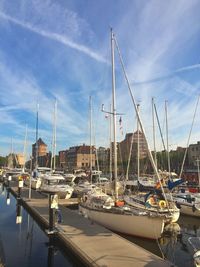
(18, 212)
(23, 243)
(173, 245)
(8, 197)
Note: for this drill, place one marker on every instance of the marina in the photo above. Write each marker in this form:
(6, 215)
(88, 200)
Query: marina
(99, 133)
(84, 240)
(92, 244)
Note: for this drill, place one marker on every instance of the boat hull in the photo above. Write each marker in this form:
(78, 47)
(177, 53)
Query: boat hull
(189, 210)
(136, 225)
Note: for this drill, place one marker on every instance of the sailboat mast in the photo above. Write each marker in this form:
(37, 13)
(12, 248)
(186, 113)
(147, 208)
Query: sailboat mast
(154, 133)
(138, 146)
(110, 122)
(55, 121)
(36, 137)
(90, 105)
(24, 152)
(114, 113)
(167, 137)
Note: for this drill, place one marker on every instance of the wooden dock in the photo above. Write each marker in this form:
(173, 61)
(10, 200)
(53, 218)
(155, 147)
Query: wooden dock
(93, 244)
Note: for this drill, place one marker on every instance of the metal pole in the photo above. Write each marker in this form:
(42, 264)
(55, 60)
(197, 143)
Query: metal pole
(154, 133)
(110, 121)
(138, 145)
(167, 137)
(90, 104)
(114, 113)
(55, 117)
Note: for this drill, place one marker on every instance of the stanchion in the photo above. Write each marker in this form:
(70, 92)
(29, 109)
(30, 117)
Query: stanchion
(53, 204)
(9, 180)
(20, 186)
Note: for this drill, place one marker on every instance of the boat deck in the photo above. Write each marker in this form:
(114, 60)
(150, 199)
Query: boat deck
(93, 244)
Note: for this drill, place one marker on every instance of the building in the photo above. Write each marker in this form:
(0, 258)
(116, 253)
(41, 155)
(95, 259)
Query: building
(79, 157)
(43, 156)
(194, 153)
(103, 158)
(125, 145)
(63, 158)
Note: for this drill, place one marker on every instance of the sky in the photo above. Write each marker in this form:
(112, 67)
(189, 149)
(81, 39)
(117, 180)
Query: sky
(61, 50)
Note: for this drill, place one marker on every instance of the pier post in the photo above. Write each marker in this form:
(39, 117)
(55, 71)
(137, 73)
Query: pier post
(53, 204)
(20, 185)
(9, 179)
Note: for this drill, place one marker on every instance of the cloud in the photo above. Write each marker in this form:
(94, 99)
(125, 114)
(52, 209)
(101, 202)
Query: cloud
(56, 37)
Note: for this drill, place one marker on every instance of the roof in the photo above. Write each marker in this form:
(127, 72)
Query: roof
(40, 142)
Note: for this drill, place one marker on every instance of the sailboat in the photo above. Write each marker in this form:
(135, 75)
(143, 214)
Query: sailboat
(86, 184)
(54, 182)
(113, 213)
(34, 181)
(153, 201)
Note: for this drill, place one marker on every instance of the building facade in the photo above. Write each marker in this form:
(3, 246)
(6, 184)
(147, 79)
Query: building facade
(194, 153)
(63, 159)
(43, 155)
(125, 145)
(79, 157)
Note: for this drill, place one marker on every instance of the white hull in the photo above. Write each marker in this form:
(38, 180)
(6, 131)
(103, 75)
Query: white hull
(136, 225)
(188, 210)
(64, 192)
(170, 218)
(35, 183)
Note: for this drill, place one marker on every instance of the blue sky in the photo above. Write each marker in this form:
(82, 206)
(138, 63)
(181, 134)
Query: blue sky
(61, 49)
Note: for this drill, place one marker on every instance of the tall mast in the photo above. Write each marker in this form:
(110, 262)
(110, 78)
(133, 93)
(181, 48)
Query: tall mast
(90, 105)
(55, 121)
(53, 155)
(24, 152)
(138, 145)
(36, 139)
(110, 122)
(167, 137)
(154, 133)
(114, 113)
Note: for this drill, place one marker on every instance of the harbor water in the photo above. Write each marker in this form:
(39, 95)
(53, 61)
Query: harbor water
(173, 245)
(26, 244)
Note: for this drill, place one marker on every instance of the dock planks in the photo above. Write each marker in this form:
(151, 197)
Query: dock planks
(93, 244)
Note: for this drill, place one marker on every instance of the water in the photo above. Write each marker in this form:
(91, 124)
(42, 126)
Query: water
(25, 244)
(173, 245)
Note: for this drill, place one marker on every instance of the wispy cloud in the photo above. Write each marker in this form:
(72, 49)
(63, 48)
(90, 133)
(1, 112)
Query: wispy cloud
(169, 74)
(56, 37)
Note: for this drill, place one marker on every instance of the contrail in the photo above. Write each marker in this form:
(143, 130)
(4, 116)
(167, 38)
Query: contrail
(168, 75)
(57, 37)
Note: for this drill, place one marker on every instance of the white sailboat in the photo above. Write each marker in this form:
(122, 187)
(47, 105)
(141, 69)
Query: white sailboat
(53, 182)
(112, 213)
(151, 201)
(189, 203)
(34, 182)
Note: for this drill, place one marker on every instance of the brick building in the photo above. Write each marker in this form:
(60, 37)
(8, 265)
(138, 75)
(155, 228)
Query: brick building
(125, 145)
(194, 153)
(79, 157)
(43, 155)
